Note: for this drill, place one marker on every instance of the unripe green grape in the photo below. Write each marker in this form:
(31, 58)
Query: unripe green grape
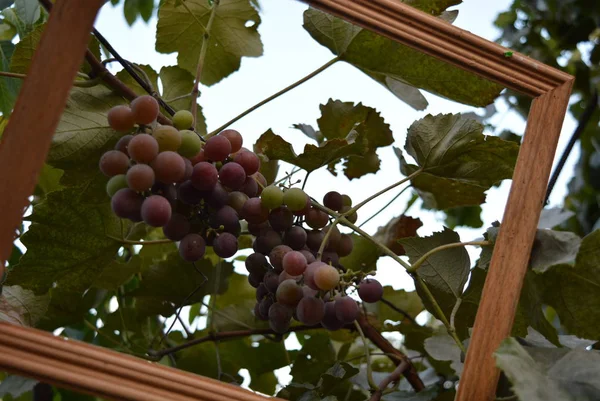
(168, 138)
(190, 144)
(295, 199)
(326, 277)
(183, 119)
(272, 197)
(115, 183)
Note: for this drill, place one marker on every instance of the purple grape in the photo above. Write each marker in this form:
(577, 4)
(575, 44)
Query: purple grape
(370, 290)
(280, 317)
(277, 254)
(177, 227)
(225, 245)
(249, 161)
(281, 218)
(127, 204)
(189, 194)
(310, 310)
(192, 247)
(330, 320)
(254, 212)
(232, 175)
(204, 176)
(294, 263)
(156, 211)
(346, 309)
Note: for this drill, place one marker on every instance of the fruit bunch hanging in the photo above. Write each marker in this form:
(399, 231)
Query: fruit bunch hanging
(200, 192)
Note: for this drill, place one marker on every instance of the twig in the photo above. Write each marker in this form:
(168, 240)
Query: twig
(402, 312)
(410, 373)
(392, 378)
(584, 119)
(188, 333)
(440, 248)
(201, 58)
(453, 313)
(370, 379)
(275, 95)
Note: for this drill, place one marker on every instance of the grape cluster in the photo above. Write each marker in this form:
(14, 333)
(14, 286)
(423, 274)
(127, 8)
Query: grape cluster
(292, 283)
(167, 177)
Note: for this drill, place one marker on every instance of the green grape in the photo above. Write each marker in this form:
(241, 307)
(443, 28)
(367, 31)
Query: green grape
(115, 183)
(190, 143)
(295, 199)
(168, 138)
(183, 119)
(272, 197)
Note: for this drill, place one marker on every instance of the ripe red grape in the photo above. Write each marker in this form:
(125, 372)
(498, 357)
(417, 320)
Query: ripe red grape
(266, 241)
(183, 119)
(156, 211)
(145, 109)
(326, 277)
(140, 177)
(314, 238)
(115, 183)
(250, 187)
(310, 310)
(143, 148)
(316, 218)
(120, 118)
(234, 138)
(294, 263)
(279, 318)
(289, 293)
(197, 158)
(254, 212)
(333, 200)
(249, 161)
(334, 237)
(330, 320)
(281, 218)
(168, 138)
(345, 245)
(218, 197)
(169, 167)
(189, 194)
(217, 148)
(271, 280)
(310, 258)
(295, 238)
(370, 290)
(331, 258)
(114, 163)
(227, 217)
(204, 176)
(236, 200)
(277, 254)
(127, 204)
(192, 247)
(232, 175)
(122, 144)
(346, 309)
(225, 245)
(177, 227)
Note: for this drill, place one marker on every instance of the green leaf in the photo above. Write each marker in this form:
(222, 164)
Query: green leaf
(399, 227)
(408, 302)
(28, 11)
(234, 35)
(445, 272)
(428, 394)
(118, 273)
(458, 161)
(16, 386)
(364, 255)
(127, 79)
(465, 216)
(23, 53)
(22, 307)
(133, 8)
(402, 90)
(9, 87)
(540, 374)
(335, 375)
(68, 244)
(383, 57)
(316, 355)
(553, 248)
(49, 180)
(443, 348)
(178, 82)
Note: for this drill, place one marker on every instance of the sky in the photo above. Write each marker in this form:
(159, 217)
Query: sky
(290, 54)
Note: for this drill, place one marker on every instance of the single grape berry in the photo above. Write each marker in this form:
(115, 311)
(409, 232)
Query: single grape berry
(183, 119)
(123, 143)
(370, 290)
(295, 199)
(236, 200)
(115, 183)
(143, 148)
(316, 219)
(140, 177)
(217, 148)
(189, 194)
(192, 247)
(256, 263)
(234, 137)
(352, 217)
(295, 238)
(198, 158)
(266, 241)
(326, 277)
(169, 167)
(232, 175)
(250, 187)
(218, 197)
(272, 197)
(225, 245)
(310, 257)
(345, 245)
(168, 138)
(204, 176)
(261, 292)
(177, 227)
(346, 200)
(346, 309)
(248, 160)
(277, 254)
(156, 211)
(289, 293)
(114, 163)
(310, 310)
(281, 219)
(121, 118)
(264, 306)
(330, 320)
(294, 263)
(127, 204)
(190, 144)
(309, 274)
(333, 200)
(286, 276)
(279, 318)
(145, 109)
(271, 280)
(254, 212)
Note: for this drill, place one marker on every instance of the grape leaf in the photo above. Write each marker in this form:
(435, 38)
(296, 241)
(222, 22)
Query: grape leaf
(9, 87)
(430, 393)
(443, 348)
(459, 163)
(28, 11)
(540, 374)
(383, 57)
(128, 80)
(22, 307)
(408, 302)
(399, 227)
(68, 244)
(16, 386)
(364, 255)
(134, 8)
(466, 216)
(234, 35)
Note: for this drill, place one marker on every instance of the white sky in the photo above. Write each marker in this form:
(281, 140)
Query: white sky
(289, 54)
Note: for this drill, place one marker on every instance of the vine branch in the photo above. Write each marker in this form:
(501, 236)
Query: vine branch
(275, 95)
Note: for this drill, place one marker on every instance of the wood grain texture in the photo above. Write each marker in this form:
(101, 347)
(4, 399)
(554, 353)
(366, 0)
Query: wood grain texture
(510, 259)
(105, 373)
(436, 37)
(42, 99)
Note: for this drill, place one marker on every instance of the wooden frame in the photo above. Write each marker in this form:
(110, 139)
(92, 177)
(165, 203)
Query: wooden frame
(105, 373)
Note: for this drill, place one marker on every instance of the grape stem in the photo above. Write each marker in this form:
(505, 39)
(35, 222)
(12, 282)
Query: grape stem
(275, 95)
(440, 248)
(201, 59)
(129, 242)
(370, 379)
(85, 83)
(326, 238)
(385, 207)
(393, 377)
